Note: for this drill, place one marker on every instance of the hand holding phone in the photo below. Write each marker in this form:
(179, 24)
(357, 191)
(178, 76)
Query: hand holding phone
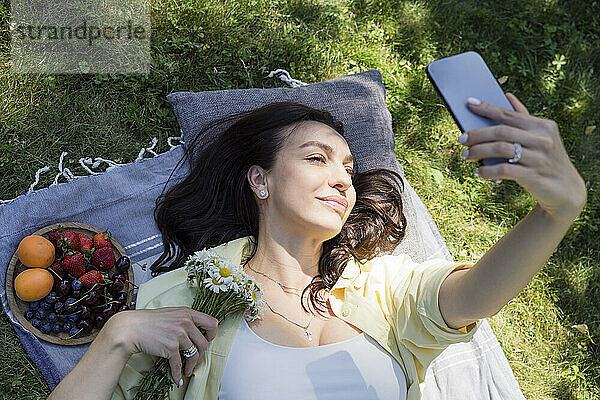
(497, 125)
(465, 75)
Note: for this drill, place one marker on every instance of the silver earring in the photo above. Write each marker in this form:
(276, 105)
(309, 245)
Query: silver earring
(262, 193)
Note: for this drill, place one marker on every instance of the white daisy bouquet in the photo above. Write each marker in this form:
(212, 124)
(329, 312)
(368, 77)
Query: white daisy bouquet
(222, 288)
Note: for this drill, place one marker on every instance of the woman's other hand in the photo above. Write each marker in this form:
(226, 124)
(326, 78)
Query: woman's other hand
(544, 169)
(164, 332)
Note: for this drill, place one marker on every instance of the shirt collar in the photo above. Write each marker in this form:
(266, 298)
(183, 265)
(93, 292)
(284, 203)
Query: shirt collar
(350, 273)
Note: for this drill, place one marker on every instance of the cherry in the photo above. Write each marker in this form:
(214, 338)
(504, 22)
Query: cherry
(116, 286)
(86, 311)
(122, 298)
(63, 287)
(109, 310)
(86, 324)
(123, 264)
(109, 296)
(120, 277)
(92, 298)
(100, 320)
(124, 307)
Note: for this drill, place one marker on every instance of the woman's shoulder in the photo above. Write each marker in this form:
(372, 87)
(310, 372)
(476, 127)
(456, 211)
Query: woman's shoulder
(386, 264)
(169, 289)
(372, 273)
(404, 262)
(396, 270)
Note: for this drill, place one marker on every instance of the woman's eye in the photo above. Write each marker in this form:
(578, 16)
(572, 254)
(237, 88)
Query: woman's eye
(323, 160)
(316, 158)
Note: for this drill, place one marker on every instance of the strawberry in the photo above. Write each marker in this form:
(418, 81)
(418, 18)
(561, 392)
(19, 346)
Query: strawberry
(89, 279)
(53, 237)
(86, 242)
(69, 239)
(102, 240)
(57, 269)
(74, 263)
(103, 258)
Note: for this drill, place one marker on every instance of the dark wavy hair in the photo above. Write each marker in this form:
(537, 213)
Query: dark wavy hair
(214, 203)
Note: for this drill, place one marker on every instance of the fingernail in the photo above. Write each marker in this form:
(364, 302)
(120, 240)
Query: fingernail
(465, 153)
(476, 172)
(181, 382)
(463, 138)
(474, 100)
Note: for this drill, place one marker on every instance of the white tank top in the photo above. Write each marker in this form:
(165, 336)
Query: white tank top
(357, 368)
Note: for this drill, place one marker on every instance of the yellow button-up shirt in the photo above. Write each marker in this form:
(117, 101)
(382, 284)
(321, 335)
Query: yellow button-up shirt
(391, 298)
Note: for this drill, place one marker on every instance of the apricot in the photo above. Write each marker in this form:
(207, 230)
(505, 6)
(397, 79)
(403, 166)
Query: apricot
(33, 284)
(36, 251)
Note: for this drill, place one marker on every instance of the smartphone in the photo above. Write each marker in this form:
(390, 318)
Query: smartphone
(465, 75)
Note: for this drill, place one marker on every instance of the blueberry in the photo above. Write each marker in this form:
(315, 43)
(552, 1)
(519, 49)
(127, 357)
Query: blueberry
(69, 307)
(58, 305)
(34, 305)
(67, 327)
(52, 317)
(69, 302)
(44, 305)
(51, 298)
(57, 328)
(73, 318)
(29, 314)
(46, 327)
(73, 332)
(36, 322)
(41, 313)
(62, 317)
(76, 284)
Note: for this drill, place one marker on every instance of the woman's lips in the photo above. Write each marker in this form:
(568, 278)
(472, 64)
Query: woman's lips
(335, 204)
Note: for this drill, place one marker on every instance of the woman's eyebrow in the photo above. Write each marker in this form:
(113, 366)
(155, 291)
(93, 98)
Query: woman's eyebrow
(325, 147)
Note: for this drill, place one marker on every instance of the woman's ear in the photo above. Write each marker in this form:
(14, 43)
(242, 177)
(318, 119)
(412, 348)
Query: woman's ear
(256, 177)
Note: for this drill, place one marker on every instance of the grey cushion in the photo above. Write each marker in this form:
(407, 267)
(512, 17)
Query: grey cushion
(357, 100)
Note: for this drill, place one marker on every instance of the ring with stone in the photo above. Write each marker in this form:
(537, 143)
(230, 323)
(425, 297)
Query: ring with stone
(518, 152)
(190, 352)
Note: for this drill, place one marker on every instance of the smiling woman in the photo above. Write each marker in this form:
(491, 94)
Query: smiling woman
(313, 196)
(277, 193)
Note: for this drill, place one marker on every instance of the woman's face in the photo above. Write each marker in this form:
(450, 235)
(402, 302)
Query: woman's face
(315, 163)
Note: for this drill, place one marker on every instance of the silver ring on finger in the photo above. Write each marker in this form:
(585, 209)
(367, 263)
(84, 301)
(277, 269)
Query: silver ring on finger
(518, 152)
(190, 352)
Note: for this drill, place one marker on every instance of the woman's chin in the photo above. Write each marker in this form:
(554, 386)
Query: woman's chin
(331, 225)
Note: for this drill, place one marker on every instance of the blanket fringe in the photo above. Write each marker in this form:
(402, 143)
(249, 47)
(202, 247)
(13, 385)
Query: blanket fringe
(285, 77)
(87, 162)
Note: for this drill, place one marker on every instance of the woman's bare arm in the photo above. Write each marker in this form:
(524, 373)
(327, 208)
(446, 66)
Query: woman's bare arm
(97, 373)
(165, 332)
(502, 272)
(546, 172)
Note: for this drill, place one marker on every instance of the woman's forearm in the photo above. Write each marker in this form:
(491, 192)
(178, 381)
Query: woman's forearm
(97, 373)
(504, 270)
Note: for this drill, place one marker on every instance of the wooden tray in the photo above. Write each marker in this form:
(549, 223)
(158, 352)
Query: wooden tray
(19, 307)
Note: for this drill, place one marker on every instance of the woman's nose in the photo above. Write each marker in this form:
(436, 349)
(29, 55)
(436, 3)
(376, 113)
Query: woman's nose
(341, 176)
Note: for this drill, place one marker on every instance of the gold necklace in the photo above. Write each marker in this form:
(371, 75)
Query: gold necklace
(306, 330)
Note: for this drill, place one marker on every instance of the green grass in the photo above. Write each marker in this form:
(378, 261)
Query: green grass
(548, 50)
